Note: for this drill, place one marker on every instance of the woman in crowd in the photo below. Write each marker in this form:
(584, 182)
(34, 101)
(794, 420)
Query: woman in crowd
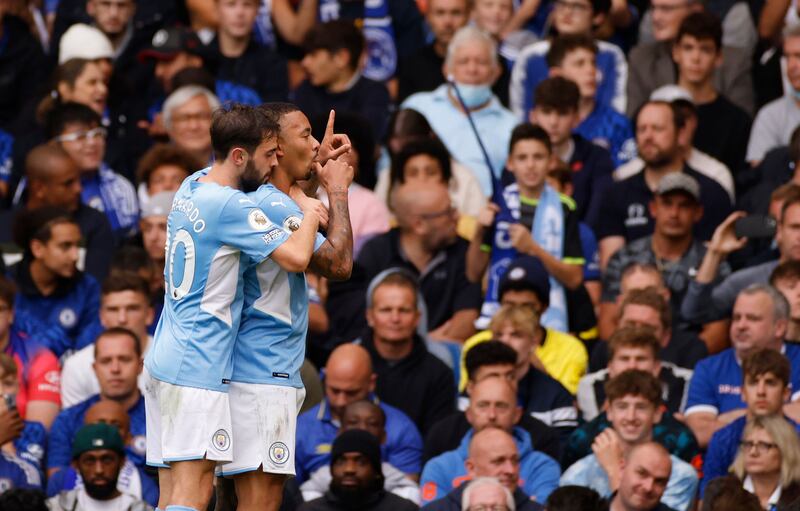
(768, 462)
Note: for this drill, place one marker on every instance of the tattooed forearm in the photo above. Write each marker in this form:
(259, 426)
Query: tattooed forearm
(334, 259)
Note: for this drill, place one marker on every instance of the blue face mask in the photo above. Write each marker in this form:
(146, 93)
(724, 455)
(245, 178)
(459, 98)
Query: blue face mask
(474, 96)
(795, 93)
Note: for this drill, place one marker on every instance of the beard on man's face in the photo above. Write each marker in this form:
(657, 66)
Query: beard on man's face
(101, 490)
(251, 178)
(353, 496)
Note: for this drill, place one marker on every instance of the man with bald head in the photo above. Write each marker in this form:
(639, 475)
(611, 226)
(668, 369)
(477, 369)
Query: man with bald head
(492, 453)
(349, 378)
(132, 479)
(426, 244)
(492, 413)
(53, 179)
(645, 473)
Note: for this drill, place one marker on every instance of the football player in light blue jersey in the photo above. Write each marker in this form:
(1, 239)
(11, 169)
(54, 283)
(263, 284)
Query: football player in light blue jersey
(266, 391)
(214, 232)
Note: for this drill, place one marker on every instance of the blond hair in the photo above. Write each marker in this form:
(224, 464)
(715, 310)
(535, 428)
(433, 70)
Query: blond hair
(520, 317)
(786, 440)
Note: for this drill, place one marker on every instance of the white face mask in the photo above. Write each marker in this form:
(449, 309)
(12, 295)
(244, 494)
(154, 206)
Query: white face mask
(474, 95)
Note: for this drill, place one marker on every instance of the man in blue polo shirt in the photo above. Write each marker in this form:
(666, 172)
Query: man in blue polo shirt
(760, 319)
(766, 375)
(118, 362)
(349, 378)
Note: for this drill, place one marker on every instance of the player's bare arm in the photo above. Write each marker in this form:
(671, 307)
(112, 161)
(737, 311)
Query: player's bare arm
(334, 259)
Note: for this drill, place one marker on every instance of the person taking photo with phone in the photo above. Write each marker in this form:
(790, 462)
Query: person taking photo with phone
(706, 301)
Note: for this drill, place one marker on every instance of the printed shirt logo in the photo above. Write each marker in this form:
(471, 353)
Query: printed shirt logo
(637, 215)
(67, 318)
(278, 453)
(221, 440)
(292, 223)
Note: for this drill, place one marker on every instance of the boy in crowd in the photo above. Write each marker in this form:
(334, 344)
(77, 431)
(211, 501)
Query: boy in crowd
(513, 227)
(723, 128)
(571, 17)
(574, 57)
(557, 112)
(634, 407)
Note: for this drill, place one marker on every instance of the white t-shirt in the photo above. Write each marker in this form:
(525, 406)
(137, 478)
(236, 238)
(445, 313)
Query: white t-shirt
(121, 503)
(78, 381)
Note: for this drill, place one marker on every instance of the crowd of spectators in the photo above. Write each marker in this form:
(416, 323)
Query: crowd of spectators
(577, 246)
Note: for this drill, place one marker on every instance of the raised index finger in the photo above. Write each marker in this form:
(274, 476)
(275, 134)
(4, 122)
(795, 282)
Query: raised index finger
(329, 126)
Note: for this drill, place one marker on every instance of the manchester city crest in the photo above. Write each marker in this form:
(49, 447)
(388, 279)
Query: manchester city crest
(221, 440)
(278, 453)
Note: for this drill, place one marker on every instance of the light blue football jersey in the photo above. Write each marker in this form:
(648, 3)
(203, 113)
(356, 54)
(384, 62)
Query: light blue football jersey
(213, 234)
(272, 337)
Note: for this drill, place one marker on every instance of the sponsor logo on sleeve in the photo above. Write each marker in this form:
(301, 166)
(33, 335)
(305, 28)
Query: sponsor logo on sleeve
(292, 223)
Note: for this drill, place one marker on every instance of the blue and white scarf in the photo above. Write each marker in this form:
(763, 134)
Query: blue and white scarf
(379, 33)
(547, 232)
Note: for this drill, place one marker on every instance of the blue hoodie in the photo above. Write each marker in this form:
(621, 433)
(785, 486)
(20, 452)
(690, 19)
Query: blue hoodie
(538, 473)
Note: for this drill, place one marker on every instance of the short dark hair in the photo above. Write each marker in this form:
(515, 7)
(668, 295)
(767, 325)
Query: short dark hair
(727, 494)
(564, 44)
(57, 119)
(408, 123)
(633, 337)
(7, 291)
(130, 258)
(787, 271)
(239, 125)
(634, 382)
(557, 93)
(37, 224)
(790, 201)
(399, 277)
(276, 110)
(165, 154)
(575, 498)
(370, 404)
(23, 500)
(601, 6)
(678, 114)
(428, 146)
(488, 353)
(762, 362)
(120, 281)
(528, 131)
(649, 297)
(118, 330)
(701, 25)
(334, 36)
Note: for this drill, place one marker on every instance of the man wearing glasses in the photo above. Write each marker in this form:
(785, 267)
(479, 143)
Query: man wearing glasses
(77, 129)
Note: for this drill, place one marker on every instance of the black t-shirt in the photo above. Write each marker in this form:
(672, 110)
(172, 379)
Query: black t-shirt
(626, 210)
(723, 130)
(259, 69)
(367, 98)
(443, 284)
(420, 72)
